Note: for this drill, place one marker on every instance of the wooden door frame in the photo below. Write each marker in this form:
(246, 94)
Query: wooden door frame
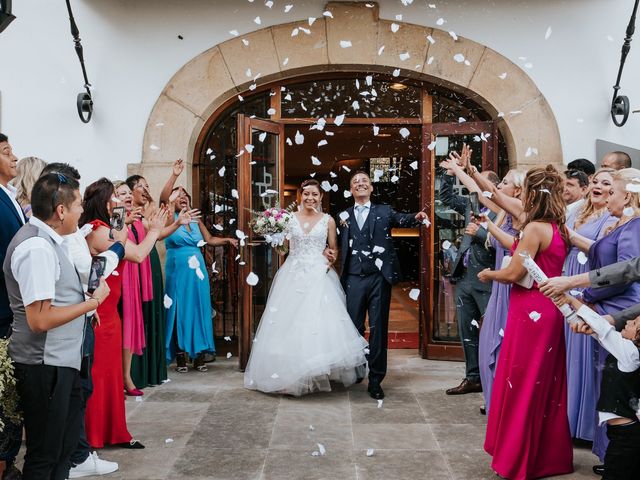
(429, 347)
(246, 126)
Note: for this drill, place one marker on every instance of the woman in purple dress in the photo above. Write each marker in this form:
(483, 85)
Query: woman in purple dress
(587, 221)
(620, 243)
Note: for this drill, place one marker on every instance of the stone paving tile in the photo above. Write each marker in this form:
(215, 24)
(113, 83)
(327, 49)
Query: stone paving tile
(394, 437)
(441, 408)
(220, 463)
(401, 465)
(454, 436)
(301, 465)
(398, 407)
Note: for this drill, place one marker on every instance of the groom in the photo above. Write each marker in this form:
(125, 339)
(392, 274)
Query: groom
(369, 269)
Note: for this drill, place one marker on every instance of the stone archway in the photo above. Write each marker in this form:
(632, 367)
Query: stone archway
(215, 76)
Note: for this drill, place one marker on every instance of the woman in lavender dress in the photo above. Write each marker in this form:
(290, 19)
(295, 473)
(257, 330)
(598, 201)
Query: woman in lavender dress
(587, 221)
(620, 243)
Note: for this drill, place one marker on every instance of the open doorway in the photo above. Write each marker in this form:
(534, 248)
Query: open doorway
(392, 160)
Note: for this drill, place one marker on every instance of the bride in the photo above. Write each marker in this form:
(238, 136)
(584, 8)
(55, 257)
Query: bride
(306, 337)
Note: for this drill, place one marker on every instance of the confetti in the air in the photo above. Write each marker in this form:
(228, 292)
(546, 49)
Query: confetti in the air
(339, 119)
(201, 243)
(582, 258)
(315, 160)
(299, 138)
(193, 262)
(414, 294)
(474, 323)
(414, 165)
(404, 132)
(167, 301)
(395, 27)
(547, 33)
(252, 279)
(535, 316)
(446, 245)
(380, 402)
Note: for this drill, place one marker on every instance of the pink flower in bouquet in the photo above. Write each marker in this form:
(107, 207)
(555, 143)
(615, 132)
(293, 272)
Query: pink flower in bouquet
(267, 213)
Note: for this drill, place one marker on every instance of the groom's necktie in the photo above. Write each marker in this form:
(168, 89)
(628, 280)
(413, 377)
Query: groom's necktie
(360, 209)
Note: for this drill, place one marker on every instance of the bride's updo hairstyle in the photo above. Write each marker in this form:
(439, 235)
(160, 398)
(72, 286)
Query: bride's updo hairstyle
(312, 182)
(543, 201)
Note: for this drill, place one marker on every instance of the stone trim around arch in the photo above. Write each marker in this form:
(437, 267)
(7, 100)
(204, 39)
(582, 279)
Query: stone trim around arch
(210, 79)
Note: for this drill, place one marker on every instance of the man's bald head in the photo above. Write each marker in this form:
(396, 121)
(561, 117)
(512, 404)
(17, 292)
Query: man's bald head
(616, 160)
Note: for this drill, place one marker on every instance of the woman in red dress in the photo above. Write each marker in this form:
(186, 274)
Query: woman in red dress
(106, 416)
(528, 428)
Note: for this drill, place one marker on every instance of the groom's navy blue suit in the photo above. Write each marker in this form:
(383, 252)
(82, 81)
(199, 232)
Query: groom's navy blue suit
(367, 285)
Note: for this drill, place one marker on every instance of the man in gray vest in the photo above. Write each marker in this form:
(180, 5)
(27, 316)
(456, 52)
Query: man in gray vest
(49, 307)
(472, 296)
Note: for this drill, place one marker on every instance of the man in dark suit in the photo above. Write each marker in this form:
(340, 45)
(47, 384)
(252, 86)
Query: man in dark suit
(369, 268)
(11, 220)
(472, 295)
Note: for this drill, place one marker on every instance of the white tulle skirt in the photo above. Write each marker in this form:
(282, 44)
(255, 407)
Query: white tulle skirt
(305, 337)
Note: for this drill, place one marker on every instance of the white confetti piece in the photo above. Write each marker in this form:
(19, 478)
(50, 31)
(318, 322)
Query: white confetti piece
(235, 33)
(440, 22)
(275, 376)
(380, 402)
(414, 165)
(487, 194)
(377, 174)
(380, 50)
(404, 132)
(221, 171)
(229, 355)
(414, 293)
(628, 212)
(311, 20)
(446, 245)
(346, 193)
(287, 8)
(299, 138)
(474, 323)
(344, 216)
(295, 32)
(326, 186)
(395, 27)
(432, 145)
(502, 76)
(201, 243)
(257, 20)
(167, 301)
(321, 449)
(547, 33)
(453, 35)
(199, 273)
(248, 147)
(322, 143)
(458, 57)
(252, 279)
(339, 119)
(154, 147)
(285, 61)
(245, 42)
(404, 56)
(115, 273)
(535, 316)
(168, 440)
(370, 452)
(379, 263)
(227, 339)
(345, 43)
(234, 193)
(501, 332)
(582, 258)
(138, 399)
(396, 72)
(378, 249)
(426, 222)
(193, 262)
(269, 3)
(327, 14)
(315, 160)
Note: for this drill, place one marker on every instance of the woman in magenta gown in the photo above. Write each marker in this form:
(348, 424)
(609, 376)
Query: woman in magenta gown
(528, 430)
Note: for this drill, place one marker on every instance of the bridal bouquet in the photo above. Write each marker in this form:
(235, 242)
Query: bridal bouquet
(8, 393)
(272, 225)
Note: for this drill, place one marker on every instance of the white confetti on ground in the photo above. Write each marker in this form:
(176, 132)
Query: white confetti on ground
(311, 428)
(414, 293)
(404, 56)
(370, 452)
(168, 440)
(502, 76)
(380, 402)
(229, 355)
(535, 316)
(440, 22)
(453, 35)
(167, 301)
(345, 43)
(396, 72)
(458, 57)
(138, 399)
(252, 279)
(582, 258)
(154, 147)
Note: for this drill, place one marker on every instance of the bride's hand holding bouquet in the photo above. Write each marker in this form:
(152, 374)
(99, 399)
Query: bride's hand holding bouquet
(272, 224)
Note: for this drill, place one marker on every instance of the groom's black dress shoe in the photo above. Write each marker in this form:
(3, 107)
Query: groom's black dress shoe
(465, 387)
(598, 469)
(375, 392)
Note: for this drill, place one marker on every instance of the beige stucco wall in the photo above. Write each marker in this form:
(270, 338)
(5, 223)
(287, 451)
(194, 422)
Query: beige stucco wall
(202, 85)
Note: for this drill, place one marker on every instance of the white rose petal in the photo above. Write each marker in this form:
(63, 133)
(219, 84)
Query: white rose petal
(582, 258)
(414, 165)
(167, 301)
(339, 119)
(229, 355)
(252, 279)
(299, 138)
(201, 243)
(380, 402)
(446, 245)
(414, 293)
(395, 27)
(501, 332)
(315, 160)
(199, 273)
(458, 57)
(535, 316)
(379, 263)
(404, 132)
(345, 43)
(370, 452)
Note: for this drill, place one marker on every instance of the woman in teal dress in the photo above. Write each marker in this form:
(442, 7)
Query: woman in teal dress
(189, 314)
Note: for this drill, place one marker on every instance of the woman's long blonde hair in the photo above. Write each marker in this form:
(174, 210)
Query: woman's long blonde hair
(29, 170)
(589, 209)
(628, 176)
(518, 182)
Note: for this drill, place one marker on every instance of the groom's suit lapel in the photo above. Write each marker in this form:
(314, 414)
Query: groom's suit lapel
(372, 219)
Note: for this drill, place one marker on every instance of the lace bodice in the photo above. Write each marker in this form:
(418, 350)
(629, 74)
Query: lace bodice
(308, 244)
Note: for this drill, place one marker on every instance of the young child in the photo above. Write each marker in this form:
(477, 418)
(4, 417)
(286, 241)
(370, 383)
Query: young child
(619, 391)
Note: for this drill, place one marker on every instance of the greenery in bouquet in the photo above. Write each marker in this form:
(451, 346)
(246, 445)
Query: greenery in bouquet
(272, 225)
(8, 392)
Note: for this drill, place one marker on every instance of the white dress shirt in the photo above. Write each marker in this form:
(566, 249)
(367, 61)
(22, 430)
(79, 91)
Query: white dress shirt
(365, 212)
(35, 265)
(624, 350)
(10, 190)
(572, 207)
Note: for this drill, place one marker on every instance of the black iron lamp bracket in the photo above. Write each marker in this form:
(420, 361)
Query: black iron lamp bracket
(84, 102)
(620, 105)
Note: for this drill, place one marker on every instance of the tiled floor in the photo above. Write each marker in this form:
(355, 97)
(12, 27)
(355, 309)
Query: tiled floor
(207, 426)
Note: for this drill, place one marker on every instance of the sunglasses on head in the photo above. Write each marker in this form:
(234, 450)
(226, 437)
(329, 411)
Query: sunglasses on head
(62, 180)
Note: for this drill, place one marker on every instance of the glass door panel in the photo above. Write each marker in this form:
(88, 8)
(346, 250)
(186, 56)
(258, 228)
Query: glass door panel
(260, 187)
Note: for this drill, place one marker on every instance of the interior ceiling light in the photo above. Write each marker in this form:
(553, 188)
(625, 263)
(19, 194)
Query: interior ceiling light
(398, 86)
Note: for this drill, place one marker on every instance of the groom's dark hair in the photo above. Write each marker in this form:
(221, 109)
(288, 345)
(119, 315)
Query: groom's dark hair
(358, 172)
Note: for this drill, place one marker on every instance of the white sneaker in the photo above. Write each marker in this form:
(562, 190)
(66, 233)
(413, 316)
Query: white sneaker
(93, 466)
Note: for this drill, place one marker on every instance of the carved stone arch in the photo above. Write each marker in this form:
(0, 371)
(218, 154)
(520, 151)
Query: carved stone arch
(215, 76)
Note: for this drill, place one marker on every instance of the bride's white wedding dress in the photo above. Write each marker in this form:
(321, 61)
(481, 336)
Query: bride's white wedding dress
(305, 337)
